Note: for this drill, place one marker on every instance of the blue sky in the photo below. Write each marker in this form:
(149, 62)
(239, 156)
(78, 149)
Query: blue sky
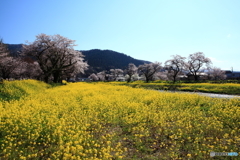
(150, 30)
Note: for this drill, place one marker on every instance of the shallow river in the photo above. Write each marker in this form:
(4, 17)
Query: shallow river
(207, 94)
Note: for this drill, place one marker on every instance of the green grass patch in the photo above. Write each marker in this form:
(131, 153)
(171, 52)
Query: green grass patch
(14, 90)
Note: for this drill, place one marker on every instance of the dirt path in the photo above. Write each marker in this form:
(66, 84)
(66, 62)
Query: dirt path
(213, 95)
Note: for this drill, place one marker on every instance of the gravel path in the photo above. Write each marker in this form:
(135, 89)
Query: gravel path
(213, 95)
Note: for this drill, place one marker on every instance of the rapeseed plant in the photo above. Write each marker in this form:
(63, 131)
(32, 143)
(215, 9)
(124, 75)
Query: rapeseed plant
(107, 121)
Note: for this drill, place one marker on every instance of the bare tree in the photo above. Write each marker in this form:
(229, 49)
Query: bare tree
(115, 73)
(216, 73)
(195, 62)
(94, 77)
(7, 63)
(130, 71)
(148, 70)
(55, 56)
(174, 66)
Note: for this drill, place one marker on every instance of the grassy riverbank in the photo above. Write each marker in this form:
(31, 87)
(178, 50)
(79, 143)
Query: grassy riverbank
(224, 88)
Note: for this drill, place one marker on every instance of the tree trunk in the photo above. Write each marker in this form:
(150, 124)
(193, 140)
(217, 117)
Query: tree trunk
(46, 78)
(147, 79)
(68, 79)
(5, 75)
(129, 79)
(196, 77)
(174, 79)
(56, 77)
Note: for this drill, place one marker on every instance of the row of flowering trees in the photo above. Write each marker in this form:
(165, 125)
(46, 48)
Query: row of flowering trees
(193, 65)
(53, 58)
(173, 69)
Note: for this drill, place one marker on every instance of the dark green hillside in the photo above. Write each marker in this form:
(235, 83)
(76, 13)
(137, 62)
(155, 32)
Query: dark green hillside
(14, 49)
(106, 59)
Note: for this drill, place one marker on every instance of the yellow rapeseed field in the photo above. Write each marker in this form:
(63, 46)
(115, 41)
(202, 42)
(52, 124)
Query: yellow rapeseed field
(107, 121)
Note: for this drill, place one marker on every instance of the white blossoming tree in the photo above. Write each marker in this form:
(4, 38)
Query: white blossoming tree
(131, 71)
(174, 66)
(216, 73)
(149, 70)
(196, 62)
(8, 64)
(115, 73)
(93, 77)
(56, 56)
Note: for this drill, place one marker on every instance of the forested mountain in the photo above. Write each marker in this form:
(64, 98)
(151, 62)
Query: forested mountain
(98, 60)
(14, 49)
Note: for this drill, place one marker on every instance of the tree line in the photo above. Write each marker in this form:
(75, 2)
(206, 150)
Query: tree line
(172, 70)
(53, 59)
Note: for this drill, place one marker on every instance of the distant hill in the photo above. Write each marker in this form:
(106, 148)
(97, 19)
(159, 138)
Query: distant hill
(98, 60)
(14, 49)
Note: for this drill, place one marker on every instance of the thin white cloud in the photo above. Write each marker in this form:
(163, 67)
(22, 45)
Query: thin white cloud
(229, 36)
(215, 60)
(225, 64)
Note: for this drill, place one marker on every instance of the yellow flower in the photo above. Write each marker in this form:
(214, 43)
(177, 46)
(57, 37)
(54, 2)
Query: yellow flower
(189, 155)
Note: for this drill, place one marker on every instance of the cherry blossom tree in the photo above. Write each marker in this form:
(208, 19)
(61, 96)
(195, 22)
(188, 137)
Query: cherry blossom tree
(162, 75)
(8, 64)
(55, 56)
(115, 73)
(29, 70)
(72, 71)
(216, 73)
(149, 70)
(131, 71)
(103, 76)
(94, 77)
(174, 66)
(196, 62)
